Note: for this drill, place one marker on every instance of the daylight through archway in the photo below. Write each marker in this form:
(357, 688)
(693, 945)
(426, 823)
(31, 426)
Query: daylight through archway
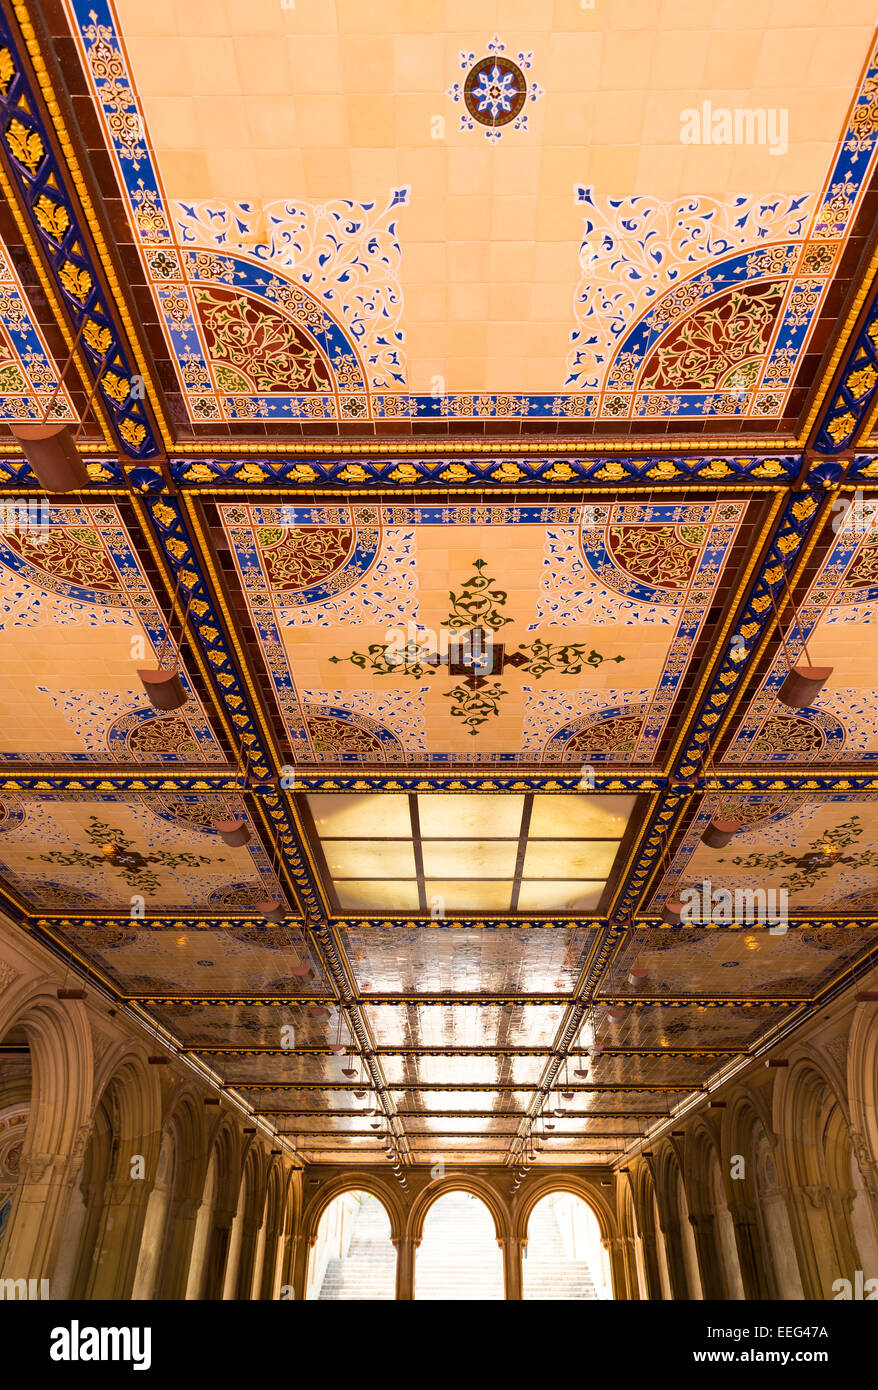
(564, 1258)
(353, 1257)
(459, 1257)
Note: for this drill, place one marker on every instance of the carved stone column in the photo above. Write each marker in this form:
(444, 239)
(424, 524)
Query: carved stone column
(39, 1210)
(651, 1266)
(174, 1273)
(748, 1240)
(218, 1252)
(673, 1238)
(118, 1244)
(615, 1248)
(704, 1231)
(512, 1247)
(406, 1246)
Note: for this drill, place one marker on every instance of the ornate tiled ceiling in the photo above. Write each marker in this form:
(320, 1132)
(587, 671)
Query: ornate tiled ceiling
(481, 447)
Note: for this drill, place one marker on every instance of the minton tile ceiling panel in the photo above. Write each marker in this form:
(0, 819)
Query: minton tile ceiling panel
(470, 1070)
(459, 1025)
(295, 1066)
(689, 1025)
(205, 1026)
(822, 853)
(29, 378)
(217, 958)
(462, 1102)
(78, 618)
(398, 960)
(69, 852)
(352, 213)
(838, 619)
(744, 963)
(487, 634)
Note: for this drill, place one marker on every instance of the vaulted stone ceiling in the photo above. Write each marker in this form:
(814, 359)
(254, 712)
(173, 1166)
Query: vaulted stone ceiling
(401, 324)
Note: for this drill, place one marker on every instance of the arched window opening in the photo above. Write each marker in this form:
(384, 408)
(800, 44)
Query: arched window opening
(459, 1257)
(564, 1258)
(353, 1257)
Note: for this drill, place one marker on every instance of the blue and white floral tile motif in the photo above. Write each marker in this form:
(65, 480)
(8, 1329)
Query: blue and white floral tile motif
(841, 726)
(81, 569)
(645, 265)
(495, 91)
(586, 582)
(394, 719)
(28, 379)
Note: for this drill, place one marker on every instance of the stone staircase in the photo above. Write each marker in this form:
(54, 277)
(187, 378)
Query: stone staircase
(467, 1263)
(547, 1273)
(368, 1271)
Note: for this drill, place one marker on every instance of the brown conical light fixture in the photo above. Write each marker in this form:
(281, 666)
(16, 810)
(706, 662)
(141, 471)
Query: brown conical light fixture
(673, 912)
(52, 456)
(719, 833)
(162, 684)
(803, 682)
(51, 448)
(802, 685)
(271, 911)
(233, 832)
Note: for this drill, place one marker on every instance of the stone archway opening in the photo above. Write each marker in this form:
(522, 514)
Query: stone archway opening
(564, 1258)
(16, 1084)
(459, 1257)
(353, 1257)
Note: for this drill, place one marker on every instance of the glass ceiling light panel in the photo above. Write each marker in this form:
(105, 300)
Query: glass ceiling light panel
(433, 853)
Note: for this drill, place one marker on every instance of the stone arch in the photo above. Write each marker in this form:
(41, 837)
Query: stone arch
(862, 1089)
(563, 1182)
(59, 1040)
(570, 1184)
(460, 1182)
(810, 1115)
(354, 1181)
(225, 1150)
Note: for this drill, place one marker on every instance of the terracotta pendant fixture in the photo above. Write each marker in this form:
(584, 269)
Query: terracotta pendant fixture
(271, 911)
(233, 832)
(162, 684)
(51, 449)
(616, 1014)
(803, 682)
(52, 456)
(802, 685)
(637, 976)
(719, 833)
(673, 912)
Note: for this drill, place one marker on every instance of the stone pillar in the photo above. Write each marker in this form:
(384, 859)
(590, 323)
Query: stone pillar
(174, 1273)
(117, 1248)
(629, 1255)
(512, 1248)
(615, 1248)
(39, 1210)
(650, 1265)
(247, 1262)
(708, 1260)
(673, 1238)
(754, 1276)
(406, 1248)
(218, 1253)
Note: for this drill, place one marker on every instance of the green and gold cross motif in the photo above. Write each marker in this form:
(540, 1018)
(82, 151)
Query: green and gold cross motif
(467, 646)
